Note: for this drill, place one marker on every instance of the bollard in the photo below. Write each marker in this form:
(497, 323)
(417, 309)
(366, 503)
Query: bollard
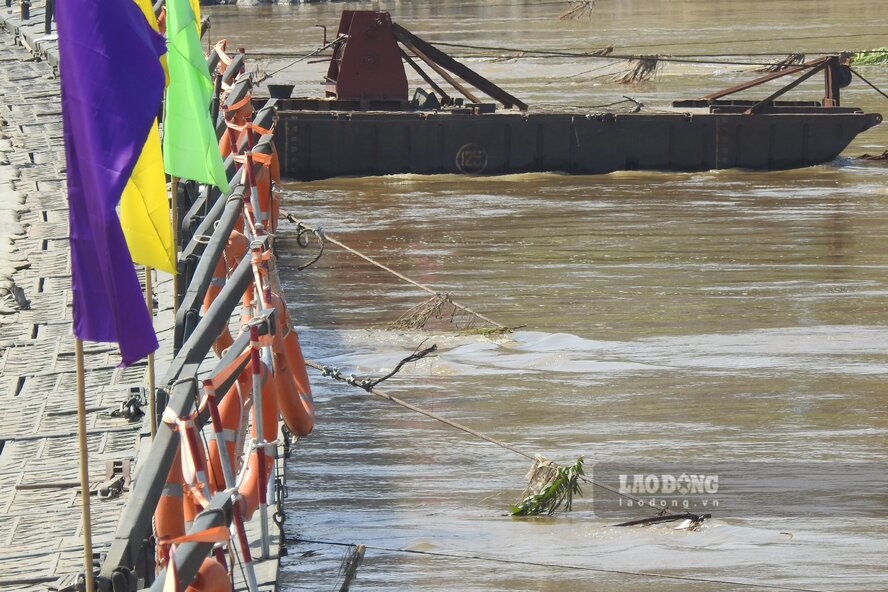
(26, 9)
(50, 12)
(8, 3)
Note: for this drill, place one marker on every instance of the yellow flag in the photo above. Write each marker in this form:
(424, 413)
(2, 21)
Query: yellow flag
(148, 11)
(195, 6)
(145, 210)
(144, 206)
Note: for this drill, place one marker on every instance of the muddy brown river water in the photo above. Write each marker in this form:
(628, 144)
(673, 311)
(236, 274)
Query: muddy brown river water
(725, 318)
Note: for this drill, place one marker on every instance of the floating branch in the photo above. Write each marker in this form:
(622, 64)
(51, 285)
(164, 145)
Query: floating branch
(583, 9)
(793, 59)
(549, 487)
(603, 51)
(640, 69)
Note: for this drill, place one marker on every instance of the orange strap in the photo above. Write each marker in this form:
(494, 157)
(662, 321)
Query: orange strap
(255, 157)
(229, 370)
(256, 128)
(215, 534)
(239, 104)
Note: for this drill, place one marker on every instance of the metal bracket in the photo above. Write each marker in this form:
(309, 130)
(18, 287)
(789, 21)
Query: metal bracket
(117, 477)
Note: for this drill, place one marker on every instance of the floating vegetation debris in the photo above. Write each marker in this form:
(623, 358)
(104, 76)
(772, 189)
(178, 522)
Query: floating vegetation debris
(489, 331)
(793, 59)
(872, 56)
(640, 69)
(441, 312)
(549, 488)
(583, 9)
(437, 308)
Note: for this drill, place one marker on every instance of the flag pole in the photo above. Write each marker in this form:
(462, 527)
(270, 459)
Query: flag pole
(84, 467)
(174, 207)
(152, 402)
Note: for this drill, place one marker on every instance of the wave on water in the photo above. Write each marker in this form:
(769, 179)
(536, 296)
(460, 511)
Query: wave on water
(813, 350)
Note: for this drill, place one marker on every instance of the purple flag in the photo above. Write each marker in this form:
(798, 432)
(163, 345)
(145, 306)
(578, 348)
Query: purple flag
(112, 87)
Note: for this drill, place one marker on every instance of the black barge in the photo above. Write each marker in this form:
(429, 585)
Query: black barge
(367, 126)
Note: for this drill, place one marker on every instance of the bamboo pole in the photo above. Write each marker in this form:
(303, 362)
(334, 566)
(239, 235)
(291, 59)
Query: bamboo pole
(152, 402)
(84, 467)
(174, 207)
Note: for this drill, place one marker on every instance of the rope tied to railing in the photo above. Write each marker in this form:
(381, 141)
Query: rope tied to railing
(435, 293)
(302, 232)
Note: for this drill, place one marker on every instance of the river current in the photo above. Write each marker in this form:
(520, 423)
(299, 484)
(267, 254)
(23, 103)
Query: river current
(712, 319)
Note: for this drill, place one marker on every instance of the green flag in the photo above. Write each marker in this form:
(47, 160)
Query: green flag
(190, 147)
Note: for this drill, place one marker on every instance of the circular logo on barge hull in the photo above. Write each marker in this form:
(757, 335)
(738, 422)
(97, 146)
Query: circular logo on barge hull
(471, 159)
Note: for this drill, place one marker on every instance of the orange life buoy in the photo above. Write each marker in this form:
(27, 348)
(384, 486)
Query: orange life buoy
(269, 205)
(190, 508)
(238, 117)
(169, 518)
(294, 391)
(231, 412)
(198, 490)
(250, 487)
(211, 577)
(235, 249)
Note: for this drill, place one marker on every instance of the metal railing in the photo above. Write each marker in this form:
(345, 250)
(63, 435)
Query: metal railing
(206, 225)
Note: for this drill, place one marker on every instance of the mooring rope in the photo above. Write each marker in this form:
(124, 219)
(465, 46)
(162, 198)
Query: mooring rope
(505, 560)
(524, 53)
(305, 57)
(870, 84)
(676, 58)
(326, 236)
(336, 374)
(682, 43)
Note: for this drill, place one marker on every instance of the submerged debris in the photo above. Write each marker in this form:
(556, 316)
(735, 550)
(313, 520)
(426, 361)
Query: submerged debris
(549, 487)
(793, 59)
(583, 9)
(640, 69)
(883, 156)
(689, 521)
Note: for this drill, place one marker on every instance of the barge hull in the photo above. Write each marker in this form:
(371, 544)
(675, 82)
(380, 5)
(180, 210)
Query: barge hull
(316, 145)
